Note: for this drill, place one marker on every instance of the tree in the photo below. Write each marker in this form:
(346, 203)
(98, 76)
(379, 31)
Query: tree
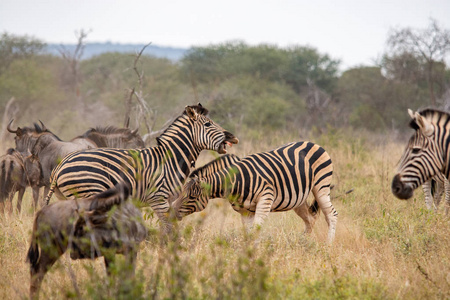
(72, 60)
(307, 66)
(430, 44)
(16, 47)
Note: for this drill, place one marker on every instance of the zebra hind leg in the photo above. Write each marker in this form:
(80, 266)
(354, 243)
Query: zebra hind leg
(323, 198)
(309, 218)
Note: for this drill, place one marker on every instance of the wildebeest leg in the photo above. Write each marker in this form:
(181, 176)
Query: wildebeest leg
(109, 261)
(19, 199)
(38, 272)
(35, 197)
(2, 205)
(10, 201)
(131, 259)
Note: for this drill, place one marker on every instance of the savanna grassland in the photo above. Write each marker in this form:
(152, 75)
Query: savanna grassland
(384, 248)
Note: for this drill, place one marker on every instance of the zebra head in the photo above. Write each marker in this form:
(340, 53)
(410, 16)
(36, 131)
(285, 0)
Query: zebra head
(208, 135)
(424, 154)
(192, 198)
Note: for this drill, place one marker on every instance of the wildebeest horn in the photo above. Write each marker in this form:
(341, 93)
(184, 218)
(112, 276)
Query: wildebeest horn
(135, 131)
(9, 127)
(43, 126)
(127, 123)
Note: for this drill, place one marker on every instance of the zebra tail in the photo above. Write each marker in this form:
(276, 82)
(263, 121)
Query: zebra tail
(50, 193)
(314, 208)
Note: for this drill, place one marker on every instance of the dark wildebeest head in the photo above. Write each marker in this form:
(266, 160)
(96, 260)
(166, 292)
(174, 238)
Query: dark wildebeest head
(113, 137)
(88, 229)
(26, 137)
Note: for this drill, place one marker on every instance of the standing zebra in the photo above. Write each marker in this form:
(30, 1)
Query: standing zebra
(277, 180)
(154, 173)
(426, 155)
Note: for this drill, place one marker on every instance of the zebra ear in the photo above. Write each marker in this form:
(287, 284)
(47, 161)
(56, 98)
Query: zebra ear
(191, 113)
(424, 125)
(411, 114)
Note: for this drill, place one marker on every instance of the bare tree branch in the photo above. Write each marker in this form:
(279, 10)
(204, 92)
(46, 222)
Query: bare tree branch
(10, 112)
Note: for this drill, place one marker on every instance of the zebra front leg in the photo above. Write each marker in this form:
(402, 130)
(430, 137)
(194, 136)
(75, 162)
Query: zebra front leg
(263, 208)
(109, 262)
(35, 197)
(427, 193)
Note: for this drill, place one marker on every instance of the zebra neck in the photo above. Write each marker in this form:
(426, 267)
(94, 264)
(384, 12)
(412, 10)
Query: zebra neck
(180, 152)
(220, 184)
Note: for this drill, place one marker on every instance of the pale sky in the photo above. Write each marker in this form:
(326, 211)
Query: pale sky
(353, 31)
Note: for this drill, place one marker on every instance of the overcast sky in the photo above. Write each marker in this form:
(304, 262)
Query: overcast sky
(354, 31)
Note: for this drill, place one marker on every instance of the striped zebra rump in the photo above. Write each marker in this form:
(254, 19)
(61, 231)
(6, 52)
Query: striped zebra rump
(277, 180)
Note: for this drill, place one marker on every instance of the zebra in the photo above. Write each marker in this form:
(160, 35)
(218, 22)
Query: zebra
(277, 180)
(427, 153)
(433, 190)
(154, 173)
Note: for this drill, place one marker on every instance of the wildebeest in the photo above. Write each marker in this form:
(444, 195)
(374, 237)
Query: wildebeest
(112, 137)
(50, 149)
(88, 229)
(18, 172)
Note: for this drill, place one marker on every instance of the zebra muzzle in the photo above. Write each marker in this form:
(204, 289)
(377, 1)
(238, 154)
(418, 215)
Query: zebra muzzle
(401, 190)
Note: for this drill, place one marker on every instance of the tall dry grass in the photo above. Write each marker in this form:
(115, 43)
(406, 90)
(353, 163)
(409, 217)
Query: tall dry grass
(384, 248)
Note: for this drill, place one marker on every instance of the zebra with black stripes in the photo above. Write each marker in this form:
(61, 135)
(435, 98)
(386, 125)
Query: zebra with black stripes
(426, 155)
(154, 174)
(277, 180)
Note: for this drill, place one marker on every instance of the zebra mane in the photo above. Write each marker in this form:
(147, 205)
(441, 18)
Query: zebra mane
(430, 114)
(199, 108)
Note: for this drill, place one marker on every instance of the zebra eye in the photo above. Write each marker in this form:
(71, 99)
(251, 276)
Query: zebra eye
(416, 150)
(207, 124)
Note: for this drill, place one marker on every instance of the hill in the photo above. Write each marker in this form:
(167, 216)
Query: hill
(93, 49)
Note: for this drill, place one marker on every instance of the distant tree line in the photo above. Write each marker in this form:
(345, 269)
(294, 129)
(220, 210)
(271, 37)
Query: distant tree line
(253, 89)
